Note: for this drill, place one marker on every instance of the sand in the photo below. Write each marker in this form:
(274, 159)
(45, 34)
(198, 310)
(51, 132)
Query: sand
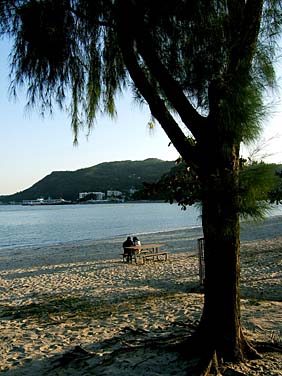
(77, 309)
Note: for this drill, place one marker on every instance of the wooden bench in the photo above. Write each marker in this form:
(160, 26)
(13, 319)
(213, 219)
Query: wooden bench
(134, 256)
(124, 256)
(155, 256)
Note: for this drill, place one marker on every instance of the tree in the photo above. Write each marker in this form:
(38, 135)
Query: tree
(259, 187)
(201, 67)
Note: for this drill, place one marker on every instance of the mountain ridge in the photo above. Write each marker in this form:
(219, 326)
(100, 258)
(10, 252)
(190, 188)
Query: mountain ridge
(115, 175)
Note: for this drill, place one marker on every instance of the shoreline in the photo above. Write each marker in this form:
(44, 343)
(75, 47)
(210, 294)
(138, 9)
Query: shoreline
(180, 240)
(81, 297)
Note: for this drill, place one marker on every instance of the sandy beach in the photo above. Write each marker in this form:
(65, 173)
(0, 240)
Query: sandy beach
(77, 309)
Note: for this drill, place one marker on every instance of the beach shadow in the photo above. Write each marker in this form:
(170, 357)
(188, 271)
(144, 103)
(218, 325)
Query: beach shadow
(59, 268)
(130, 352)
(62, 308)
(256, 293)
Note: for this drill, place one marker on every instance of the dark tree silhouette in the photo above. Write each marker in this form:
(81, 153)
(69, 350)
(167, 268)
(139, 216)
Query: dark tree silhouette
(201, 67)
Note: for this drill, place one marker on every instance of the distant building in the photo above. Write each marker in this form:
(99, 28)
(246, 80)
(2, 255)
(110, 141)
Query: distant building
(91, 195)
(132, 191)
(114, 194)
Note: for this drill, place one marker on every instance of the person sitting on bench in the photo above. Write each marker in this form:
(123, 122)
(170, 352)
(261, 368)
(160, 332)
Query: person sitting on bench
(136, 241)
(126, 251)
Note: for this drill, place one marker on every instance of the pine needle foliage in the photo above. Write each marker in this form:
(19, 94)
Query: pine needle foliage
(68, 53)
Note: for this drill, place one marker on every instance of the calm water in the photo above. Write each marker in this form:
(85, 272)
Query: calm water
(22, 226)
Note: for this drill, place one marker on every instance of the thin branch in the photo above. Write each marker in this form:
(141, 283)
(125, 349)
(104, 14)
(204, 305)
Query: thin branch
(84, 16)
(156, 104)
(190, 117)
(248, 31)
(250, 27)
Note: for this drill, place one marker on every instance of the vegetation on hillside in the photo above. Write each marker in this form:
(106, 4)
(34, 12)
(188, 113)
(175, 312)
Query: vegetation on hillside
(260, 185)
(121, 176)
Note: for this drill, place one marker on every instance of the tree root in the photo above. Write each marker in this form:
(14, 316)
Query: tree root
(209, 362)
(250, 351)
(76, 354)
(269, 347)
(207, 365)
(198, 358)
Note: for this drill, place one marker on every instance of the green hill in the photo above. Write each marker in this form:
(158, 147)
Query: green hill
(121, 176)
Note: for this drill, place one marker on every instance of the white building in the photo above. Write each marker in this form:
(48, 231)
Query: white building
(92, 195)
(114, 193)
(132, 191)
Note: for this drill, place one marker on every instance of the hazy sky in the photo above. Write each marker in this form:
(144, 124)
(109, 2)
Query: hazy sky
(32, 147)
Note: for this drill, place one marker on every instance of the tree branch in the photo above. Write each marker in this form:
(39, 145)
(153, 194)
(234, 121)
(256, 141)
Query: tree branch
(247, 30)
(251, 27)
(190, 117)
(156, 104)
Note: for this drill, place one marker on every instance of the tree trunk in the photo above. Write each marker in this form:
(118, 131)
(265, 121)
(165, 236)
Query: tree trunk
(220, 325)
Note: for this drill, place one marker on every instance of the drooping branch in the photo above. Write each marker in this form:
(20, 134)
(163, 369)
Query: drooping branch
(190, 117)
(156, 104)
(82, 15)
(248, 32)
(145, 47)
(250, 28)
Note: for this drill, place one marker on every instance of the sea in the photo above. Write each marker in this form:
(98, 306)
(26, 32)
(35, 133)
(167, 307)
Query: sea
(37, 226)
(28, 226)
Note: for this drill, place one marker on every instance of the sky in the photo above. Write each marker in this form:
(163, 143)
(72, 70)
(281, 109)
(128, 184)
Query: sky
(32, 147)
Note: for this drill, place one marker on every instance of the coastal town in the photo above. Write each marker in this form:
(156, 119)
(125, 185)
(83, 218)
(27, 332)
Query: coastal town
(83, 198)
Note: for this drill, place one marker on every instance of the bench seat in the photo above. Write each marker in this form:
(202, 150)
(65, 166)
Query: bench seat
(144, 256)
(155, 256)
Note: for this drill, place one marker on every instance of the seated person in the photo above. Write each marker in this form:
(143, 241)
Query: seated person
(126, 251)
(136, 241)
